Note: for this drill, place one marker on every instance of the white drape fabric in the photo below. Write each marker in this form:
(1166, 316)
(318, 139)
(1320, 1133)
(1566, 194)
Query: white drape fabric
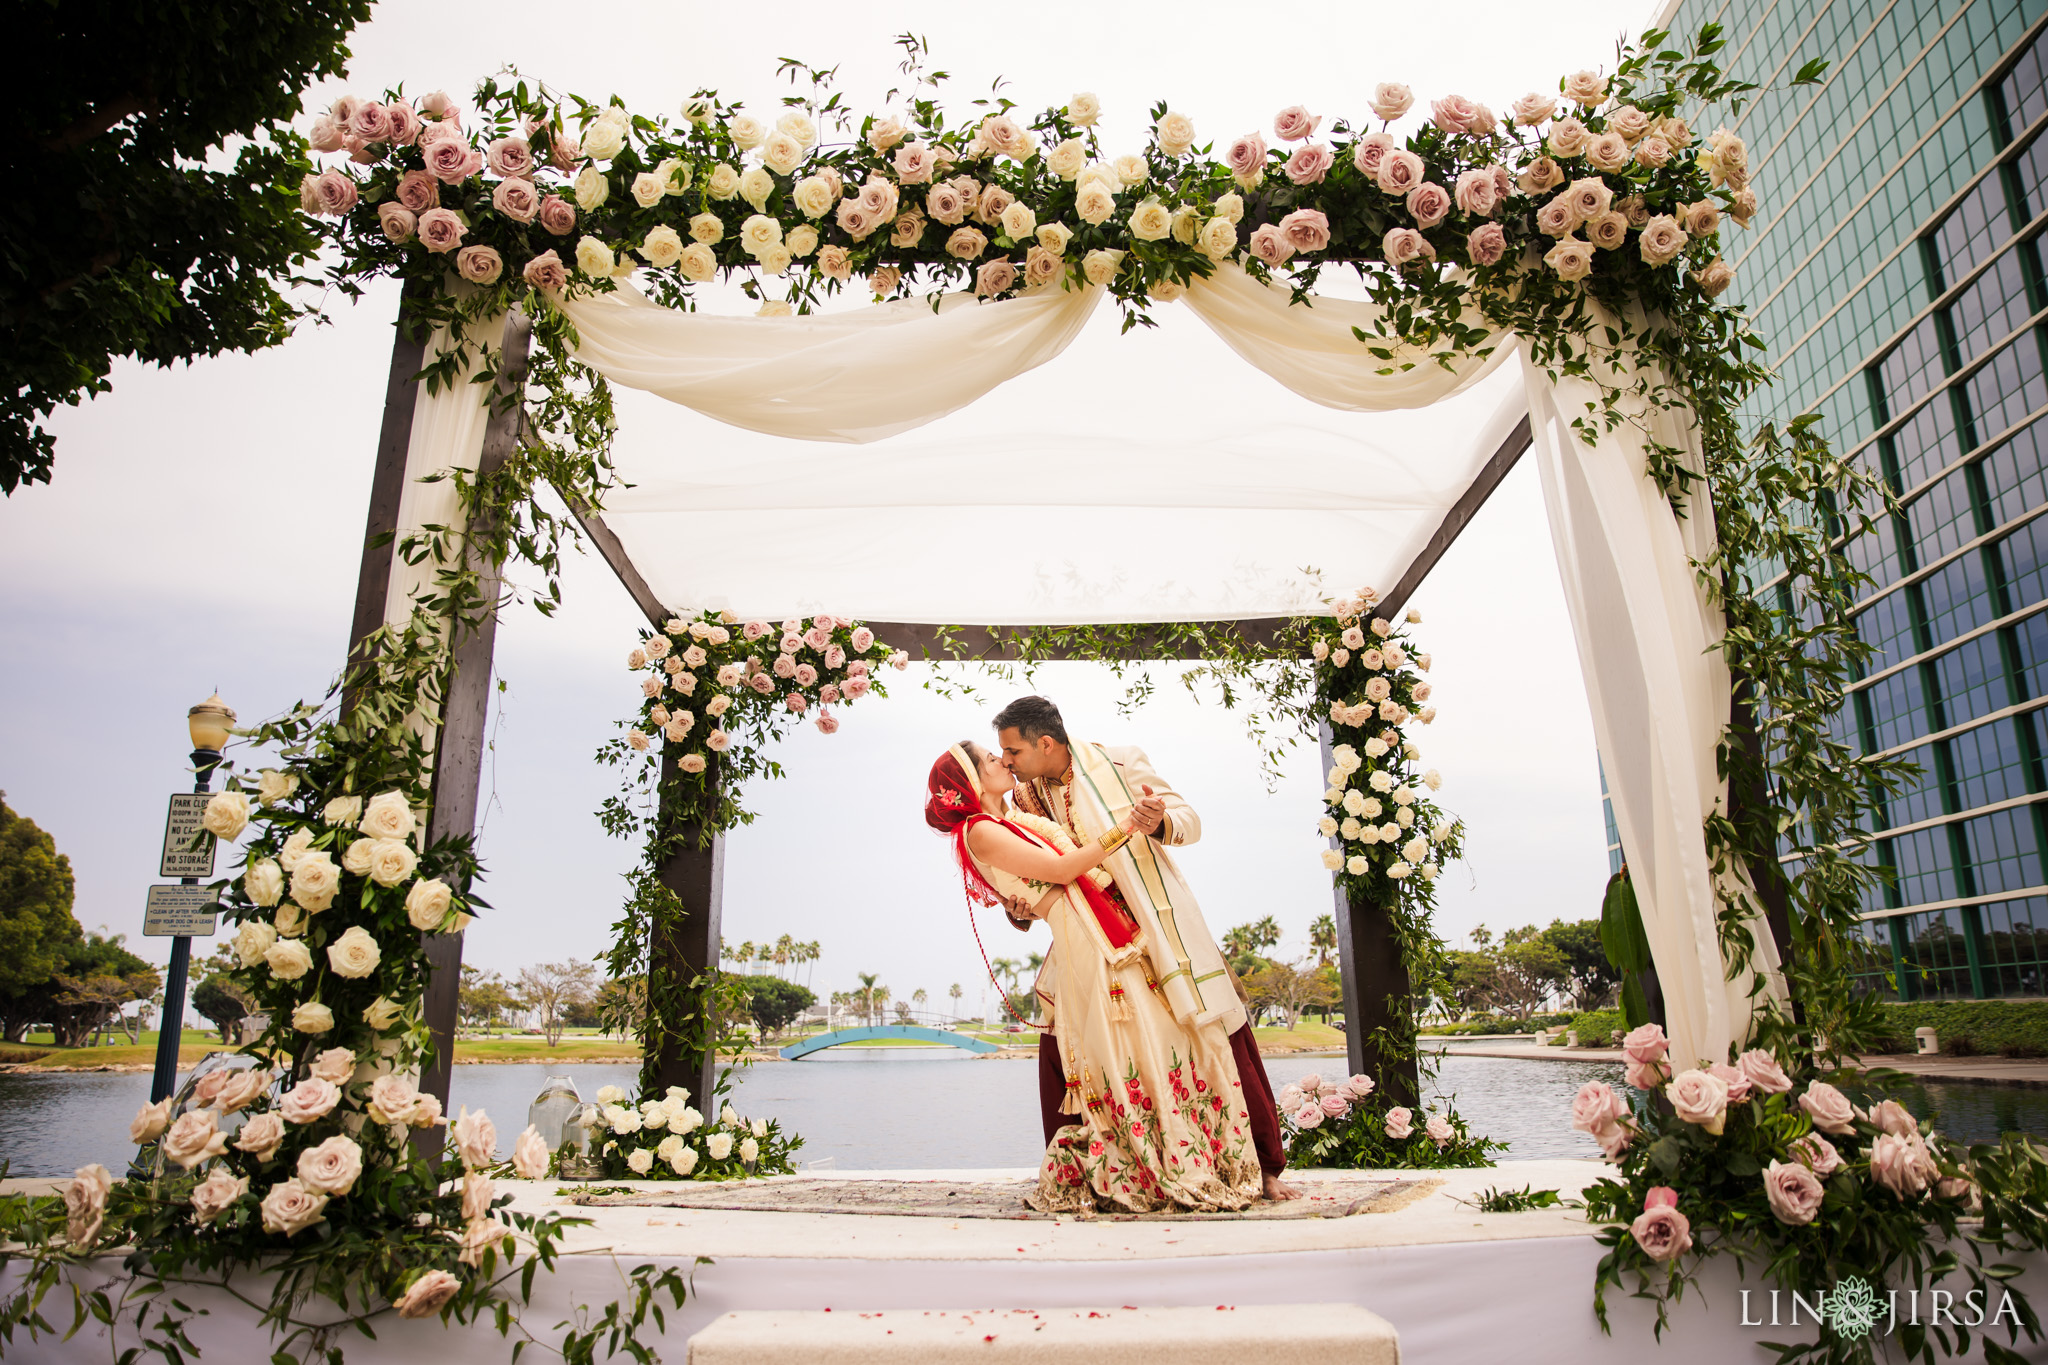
(1659, 691)
(857, 376)
(1043, 507)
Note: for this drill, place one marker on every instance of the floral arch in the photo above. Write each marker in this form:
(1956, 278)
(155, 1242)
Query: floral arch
(552, 248)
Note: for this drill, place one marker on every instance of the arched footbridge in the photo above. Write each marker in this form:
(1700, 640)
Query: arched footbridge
(875, 1032)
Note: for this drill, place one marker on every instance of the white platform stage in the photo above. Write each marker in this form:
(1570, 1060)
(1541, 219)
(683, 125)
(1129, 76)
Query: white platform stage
(1458, 1285)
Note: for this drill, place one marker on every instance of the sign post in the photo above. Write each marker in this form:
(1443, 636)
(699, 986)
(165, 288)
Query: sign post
(183, 910)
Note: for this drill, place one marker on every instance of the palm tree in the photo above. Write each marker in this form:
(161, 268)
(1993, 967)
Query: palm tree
(917, 999)
(785, 950)
(1033, 961)
(1006, 969)
(955, 993)
(1322, 938)
(743, 956)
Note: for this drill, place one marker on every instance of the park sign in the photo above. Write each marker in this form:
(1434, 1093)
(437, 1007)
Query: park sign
(181, 826)
(176, 911)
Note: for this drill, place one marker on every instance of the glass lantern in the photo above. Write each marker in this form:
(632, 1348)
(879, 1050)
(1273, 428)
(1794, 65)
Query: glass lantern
(551, 1109)
(583, 1135)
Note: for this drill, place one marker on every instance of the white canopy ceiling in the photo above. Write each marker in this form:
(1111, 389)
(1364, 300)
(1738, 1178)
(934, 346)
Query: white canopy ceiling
(1148, 476)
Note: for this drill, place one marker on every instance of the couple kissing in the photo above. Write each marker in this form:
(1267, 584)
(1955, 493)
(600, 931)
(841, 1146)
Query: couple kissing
(1152, 1091)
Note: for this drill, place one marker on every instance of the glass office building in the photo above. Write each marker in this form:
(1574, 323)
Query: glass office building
(1896, 271)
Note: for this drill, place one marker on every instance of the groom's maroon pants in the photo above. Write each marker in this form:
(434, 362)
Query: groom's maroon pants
(1251, 1072)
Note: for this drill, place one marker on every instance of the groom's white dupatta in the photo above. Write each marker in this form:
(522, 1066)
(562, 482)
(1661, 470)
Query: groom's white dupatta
(1185, 961)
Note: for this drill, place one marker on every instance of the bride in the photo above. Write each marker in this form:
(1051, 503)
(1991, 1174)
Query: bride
(1159, 1118)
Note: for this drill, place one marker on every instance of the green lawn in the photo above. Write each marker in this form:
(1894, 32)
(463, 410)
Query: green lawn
(1307, 1036)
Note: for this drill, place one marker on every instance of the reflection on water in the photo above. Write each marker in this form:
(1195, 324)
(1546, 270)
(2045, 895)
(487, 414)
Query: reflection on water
(901, 1108)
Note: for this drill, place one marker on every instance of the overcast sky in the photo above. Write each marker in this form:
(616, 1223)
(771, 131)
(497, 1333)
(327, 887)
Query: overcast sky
(204, 523)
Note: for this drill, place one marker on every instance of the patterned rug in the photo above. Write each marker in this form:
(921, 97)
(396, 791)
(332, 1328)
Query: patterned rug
(980, 1199)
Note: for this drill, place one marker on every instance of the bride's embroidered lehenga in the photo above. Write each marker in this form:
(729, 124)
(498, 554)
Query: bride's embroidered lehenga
(1159, 1118)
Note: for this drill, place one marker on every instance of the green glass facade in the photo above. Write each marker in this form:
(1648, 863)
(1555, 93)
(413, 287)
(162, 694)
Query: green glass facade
(1896, 271)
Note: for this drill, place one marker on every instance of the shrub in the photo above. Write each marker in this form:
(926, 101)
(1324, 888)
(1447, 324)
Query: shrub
(1597, 1028)
(1967, 1028)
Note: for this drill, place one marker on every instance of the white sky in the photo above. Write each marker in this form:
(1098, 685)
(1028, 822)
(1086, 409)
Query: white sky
(204, 525)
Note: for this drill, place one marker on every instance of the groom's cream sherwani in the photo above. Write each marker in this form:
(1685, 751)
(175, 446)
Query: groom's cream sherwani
(1186, 965)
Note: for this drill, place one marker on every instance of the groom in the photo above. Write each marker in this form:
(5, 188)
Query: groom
(1195, 981)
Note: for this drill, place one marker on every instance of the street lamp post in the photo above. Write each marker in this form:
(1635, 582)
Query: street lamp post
(210, 724)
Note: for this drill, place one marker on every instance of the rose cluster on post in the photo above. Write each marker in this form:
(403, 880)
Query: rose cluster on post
(1378, 806)
(715, 688)
(1336, 1122)
(546, 194)
(661, 1137)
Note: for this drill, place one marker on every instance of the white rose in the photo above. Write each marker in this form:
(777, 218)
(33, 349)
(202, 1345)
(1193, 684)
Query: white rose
(815, 195)
(684, 1160)
(1067, 159)
(594, 258)
(263, 883)
(1416, 849)
(1083, 109)
(274, 787)
(756, 185)
(355, 954)
(226, 816)
(604, 140)
(1132, 170)
(697, 263)
(719, 1145)
(291, 921)
(288, 959)
(1358, 865)
(315, 881)
(1399, 870)
(388, 817)
(382, 1013)
(1231, 206)
(648, 189)
(252, 941)
(1405, 817)
(294, 849)
(426, 905)
(1095, 203)
(759, 232)
(782, 153)
(747, 132)
(1350, 828)
(1175, 132)
(663, 246)
(391, 861)
(801, 240)
(1150, 221)
(355, 859)
(1054, 237)
(724, 182)
(1354, 800)
(592, 188)
(674, 175)
(1332, 859)
(640, 1162)
(750, 1151)
(1100, 265)
(342, 810)
(1019, 222)
(1218, 240)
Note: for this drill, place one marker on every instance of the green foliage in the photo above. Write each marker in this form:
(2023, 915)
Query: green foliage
(2010, 1028)
(1588, 975)
(164, 224)
(1626, 946)
(36, 924)
(97, 977)
(1357, 1137)
(1493, 1200)
(660, 1137)
(774, 1004)
(1597, 1028)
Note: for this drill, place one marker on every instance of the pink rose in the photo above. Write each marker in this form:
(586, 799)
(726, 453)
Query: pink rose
(516, 199)
(441, 130)
(1764, 1072)
(1817, 1153)
(914, 163)
(193, 1138)
(1390, 100)
(1557, 218)
(557, 215)
(451, 161)
(511, 157)
(1438, 1130)
(1794, 1192)
(1660, 1196)
(1310, 1115)
(1597, 1106)
(479, 264)
(216, 1194)
(1453, 114)
(564, 151)
(1653, 151)
(327, 134)
(309, 1101)
(828, 695)
(1294, 124)
(1306, 230)
(1661, 240)
(1714, 277)
(291, 1208)
(208, 1088)
(418, 191)
(261, 1136)
(1370, 152)
(1663, 1233)
(1429, 203)
(1900, 1164)
(331, 193)
(546, 271)
(1700, 1099)
(1270, 245)
(85, 1204)
(242, 1089)
(1247, 156)
(1475, 193)
(441, 105)
(1399, 1123)
(530, 1155)
(857, 687)
(828, 723)
(1647, 1075)
(1646, 1044)
(333, 1167)
(336, 1064)
(797, 702)
(1829, 1109)
(1736, 1081)
(1589, 198)
(476, 1138)
(1335, 1105)
(945, 204)
(397, 221)
(1400, 247)
(762, 683)
(427, 1294)
(440, 230)
(1568, 138)
(993, 278)
(405, 124)
(1539, 175)
(1608, 152)
(805, 675)
(1892, 1117)
(857, 221)
(863, 639)
(370, 123)
(1484, 246)
(1360, 1086)
(1400, 172)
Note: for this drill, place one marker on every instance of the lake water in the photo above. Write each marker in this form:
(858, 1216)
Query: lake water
(904, 1108)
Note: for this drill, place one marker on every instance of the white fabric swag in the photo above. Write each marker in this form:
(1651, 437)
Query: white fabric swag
(1170, 524)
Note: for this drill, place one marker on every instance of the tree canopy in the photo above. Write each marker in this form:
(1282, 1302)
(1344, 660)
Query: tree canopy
(161, 168)
(36, 923)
